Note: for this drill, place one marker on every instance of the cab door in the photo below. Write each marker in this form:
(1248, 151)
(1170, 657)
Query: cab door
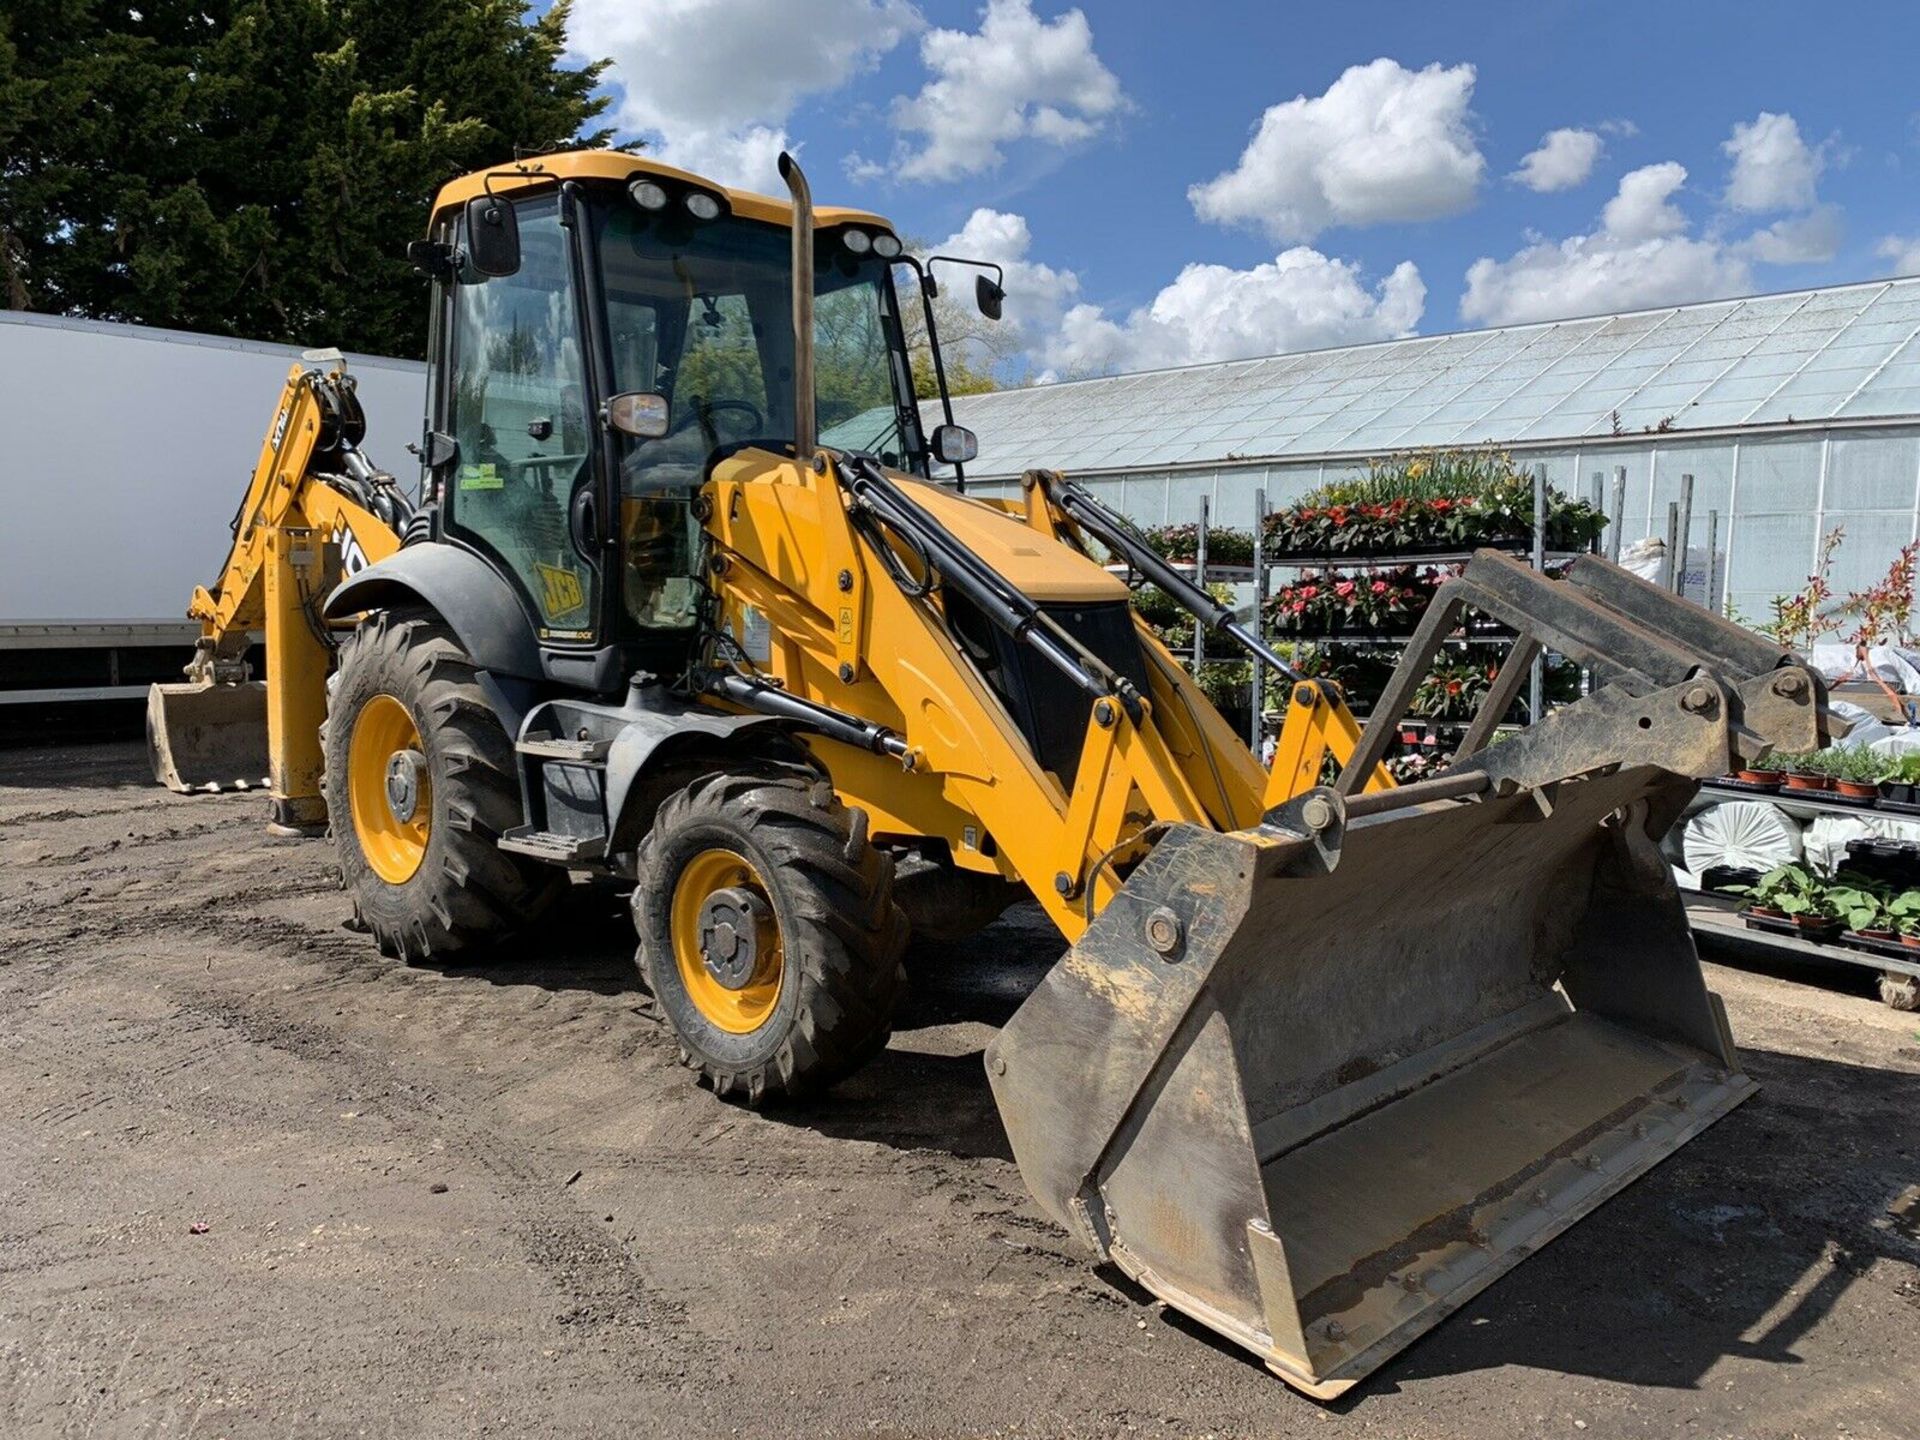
(521, 487)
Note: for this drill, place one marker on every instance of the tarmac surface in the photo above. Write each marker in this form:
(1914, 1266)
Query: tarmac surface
(256, 1179)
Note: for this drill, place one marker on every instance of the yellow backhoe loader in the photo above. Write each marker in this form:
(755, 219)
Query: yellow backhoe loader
(692, 602)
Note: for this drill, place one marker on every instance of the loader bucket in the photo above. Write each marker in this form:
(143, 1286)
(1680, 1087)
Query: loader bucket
(208, 736)
(1349, 1099)
(1317, 1083)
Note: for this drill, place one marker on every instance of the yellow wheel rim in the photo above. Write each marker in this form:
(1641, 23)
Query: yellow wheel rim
(389, 789)
(742, 1007)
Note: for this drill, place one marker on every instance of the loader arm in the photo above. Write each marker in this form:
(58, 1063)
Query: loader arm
(315, 510)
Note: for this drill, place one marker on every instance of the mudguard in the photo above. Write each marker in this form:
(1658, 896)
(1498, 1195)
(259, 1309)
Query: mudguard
(473, 598)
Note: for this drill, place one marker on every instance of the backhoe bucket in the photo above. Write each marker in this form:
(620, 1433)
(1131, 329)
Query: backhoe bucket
(208, 736)
(1318, 1083)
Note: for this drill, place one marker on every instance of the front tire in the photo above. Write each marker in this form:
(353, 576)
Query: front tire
(420, 786)
(768, 933)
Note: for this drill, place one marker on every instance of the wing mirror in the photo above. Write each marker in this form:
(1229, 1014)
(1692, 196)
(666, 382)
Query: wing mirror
(493, 236)
(988, 296)
(955, 444)
(643, 416)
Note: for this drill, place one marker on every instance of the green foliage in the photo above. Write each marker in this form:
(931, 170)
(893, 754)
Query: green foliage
(1793, 890)
(1858, 764)
(256, 167)
(1225, 545)
(1800, 762)
(1861, 903)
(1443, 500)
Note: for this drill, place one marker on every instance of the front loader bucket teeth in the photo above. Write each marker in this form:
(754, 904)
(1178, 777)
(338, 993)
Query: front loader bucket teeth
(1317, 1083)
(208, 736)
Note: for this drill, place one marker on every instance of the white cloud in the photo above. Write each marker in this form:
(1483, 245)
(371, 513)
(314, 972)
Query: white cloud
(713, 82)
(1798, 239)
(1300, 300)
(1643, 208)
(1384, 143)
(1641, 256)
(1564, 159)
(1773, 168)
(1037, 294)
(1018, 76)
(1902, 252)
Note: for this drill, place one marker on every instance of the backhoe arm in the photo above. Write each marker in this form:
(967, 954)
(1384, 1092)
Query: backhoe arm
(315, 510)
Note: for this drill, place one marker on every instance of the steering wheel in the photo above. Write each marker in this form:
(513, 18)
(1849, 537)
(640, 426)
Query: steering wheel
(703, 410)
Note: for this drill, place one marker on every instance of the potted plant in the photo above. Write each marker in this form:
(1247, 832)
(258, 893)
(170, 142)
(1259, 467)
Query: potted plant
(1806, 770)
(1857, 771)
(1901, 776)
(1904, 911)
(1766, 772)
(1793, 892)
(1863, 906)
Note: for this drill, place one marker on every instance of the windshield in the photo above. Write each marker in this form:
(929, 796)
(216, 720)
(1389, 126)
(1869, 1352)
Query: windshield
(702, 314)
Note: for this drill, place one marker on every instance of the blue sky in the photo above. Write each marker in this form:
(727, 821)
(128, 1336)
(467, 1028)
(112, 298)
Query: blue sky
(1174, 183)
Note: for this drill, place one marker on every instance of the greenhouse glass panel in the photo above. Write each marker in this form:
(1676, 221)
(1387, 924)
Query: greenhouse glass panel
(1779, 477)
(1873, 472)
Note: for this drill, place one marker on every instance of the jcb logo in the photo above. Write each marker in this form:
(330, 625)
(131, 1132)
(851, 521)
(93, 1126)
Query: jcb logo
(563, 594)
(352, 558)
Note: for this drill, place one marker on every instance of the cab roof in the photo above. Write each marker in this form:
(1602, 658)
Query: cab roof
(538, 171)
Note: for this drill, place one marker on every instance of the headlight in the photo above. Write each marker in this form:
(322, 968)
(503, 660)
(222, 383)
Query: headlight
(886, 246)
(858, 241)
(702, 206)
(648, 195)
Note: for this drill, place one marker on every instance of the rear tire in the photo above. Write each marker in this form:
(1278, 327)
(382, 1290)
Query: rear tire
(812, 996)
(436, 884)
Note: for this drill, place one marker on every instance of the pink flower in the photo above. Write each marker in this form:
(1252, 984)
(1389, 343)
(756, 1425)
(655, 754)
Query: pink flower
(1380, 587)
(1344, 589)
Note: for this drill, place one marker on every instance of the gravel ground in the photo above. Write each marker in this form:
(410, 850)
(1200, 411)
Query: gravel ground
(255, 1178)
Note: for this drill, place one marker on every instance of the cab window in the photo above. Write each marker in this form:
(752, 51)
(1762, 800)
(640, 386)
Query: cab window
(518, 411)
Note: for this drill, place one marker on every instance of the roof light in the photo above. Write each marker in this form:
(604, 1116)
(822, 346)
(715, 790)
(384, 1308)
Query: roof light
(648, 195)
(856, 240)
(886, 246)
(702, 206)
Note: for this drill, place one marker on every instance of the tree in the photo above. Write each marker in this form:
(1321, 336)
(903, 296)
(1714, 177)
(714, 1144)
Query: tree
(256, 167)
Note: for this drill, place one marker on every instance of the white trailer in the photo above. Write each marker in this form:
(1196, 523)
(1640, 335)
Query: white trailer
(124, 452)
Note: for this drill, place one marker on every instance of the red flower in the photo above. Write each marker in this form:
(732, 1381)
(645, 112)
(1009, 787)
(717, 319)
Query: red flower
(1344, 589)
(1337, 514)
(1442, 506)
(1307, 592)
(1380, 587)
(1453, 687)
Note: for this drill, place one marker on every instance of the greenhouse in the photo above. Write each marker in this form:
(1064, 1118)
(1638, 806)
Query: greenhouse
(1795, 414)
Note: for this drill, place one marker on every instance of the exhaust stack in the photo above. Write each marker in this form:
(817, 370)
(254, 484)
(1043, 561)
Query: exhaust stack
(803, 398)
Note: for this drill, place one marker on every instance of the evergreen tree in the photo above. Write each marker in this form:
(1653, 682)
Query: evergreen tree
(256, 167)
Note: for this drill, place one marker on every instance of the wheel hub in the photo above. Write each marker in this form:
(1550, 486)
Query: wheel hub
(734, 931)
(406, 782)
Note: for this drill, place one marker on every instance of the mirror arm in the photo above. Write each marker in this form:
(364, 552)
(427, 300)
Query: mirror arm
(927, 292)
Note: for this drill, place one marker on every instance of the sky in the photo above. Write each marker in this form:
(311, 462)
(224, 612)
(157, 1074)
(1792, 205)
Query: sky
(1169, 184)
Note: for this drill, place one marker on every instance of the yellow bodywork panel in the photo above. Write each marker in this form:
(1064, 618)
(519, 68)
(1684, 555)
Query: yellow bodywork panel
(538, 172)
(789, 562)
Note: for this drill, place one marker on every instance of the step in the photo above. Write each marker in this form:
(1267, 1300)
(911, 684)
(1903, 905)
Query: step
(573, 752)
(552, 848)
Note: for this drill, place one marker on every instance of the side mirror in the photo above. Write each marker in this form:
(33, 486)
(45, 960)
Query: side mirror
(955, 444)
(493, 236)
(988, 296)
(643, 416)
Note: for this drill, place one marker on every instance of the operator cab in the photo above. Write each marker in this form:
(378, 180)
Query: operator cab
(611, 329)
